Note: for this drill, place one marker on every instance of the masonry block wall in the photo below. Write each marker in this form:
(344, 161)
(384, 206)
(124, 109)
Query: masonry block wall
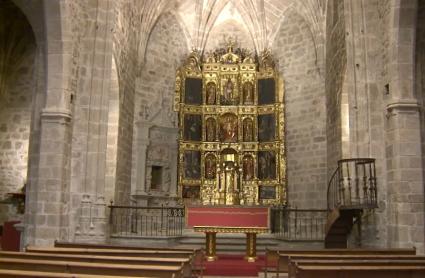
(305, 113)
(335, 71)
(229, 29)
(165, 52)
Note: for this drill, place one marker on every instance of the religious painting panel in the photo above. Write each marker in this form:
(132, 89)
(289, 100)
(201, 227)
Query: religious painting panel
(266, 165)
(210, 166)
(191, 192)
(193, 91)
(229, 95)
(266, 192)
(266, 127)
(228, 128)
(210, 129)
(192, 127)
(192, 164)
(248, 130)
(211, 93)
(266, 91)
(248, 167)
(248, 93)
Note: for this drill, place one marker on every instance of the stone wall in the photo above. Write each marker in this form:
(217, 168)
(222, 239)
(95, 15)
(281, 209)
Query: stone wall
(15, 120)
(126, 35)
(335, 70)
(17, 66)
(165, 52)
(305, 113)
(232, 29)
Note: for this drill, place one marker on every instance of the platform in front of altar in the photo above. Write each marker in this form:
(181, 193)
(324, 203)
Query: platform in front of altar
(228, 219)
(231, 217)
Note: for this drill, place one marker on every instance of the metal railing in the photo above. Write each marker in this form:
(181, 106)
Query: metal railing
(146, 221)
(353, 184)
(298, 224)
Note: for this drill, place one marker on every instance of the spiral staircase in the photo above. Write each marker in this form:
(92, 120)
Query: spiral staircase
(352, 190)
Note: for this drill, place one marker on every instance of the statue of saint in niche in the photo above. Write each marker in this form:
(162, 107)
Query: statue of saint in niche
(211, 92)
(210, 129)
(229, 128)
(228, 92)
(248, 93)
(248, 130)
(210, 167)
(248, 167)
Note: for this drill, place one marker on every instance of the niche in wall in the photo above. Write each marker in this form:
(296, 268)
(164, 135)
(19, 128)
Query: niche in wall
(156, 177)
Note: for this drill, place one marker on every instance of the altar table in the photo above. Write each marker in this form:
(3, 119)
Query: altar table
(211, 220)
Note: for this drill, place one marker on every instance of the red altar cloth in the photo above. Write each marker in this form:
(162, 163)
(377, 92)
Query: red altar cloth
(227, 216)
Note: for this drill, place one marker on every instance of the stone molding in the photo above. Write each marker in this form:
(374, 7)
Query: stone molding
(62, 116)
(402, 106)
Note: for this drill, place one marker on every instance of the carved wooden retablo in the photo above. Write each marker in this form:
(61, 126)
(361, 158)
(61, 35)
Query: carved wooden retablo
(231, 121)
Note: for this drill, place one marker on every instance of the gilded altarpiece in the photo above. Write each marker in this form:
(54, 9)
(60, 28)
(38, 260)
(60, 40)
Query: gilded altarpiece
(231, 122)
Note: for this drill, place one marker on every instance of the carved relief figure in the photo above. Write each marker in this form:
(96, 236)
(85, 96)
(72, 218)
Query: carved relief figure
(248, 167)
(210, 129)
(211, 93)
(228, 92)
(248, 93)
(210, 166)
(229, 128)
(248, 130)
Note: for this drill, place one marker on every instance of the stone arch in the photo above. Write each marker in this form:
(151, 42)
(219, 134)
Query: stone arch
(18, 62)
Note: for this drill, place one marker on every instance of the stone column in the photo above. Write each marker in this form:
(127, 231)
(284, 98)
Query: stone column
(48, 190)
(90, 127)
(405, 178)
(403, 138)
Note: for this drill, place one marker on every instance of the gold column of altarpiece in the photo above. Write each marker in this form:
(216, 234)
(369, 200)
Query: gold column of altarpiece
(231, 120)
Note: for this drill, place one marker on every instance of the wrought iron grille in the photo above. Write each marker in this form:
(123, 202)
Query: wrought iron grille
(146, 221)
(298, 224)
